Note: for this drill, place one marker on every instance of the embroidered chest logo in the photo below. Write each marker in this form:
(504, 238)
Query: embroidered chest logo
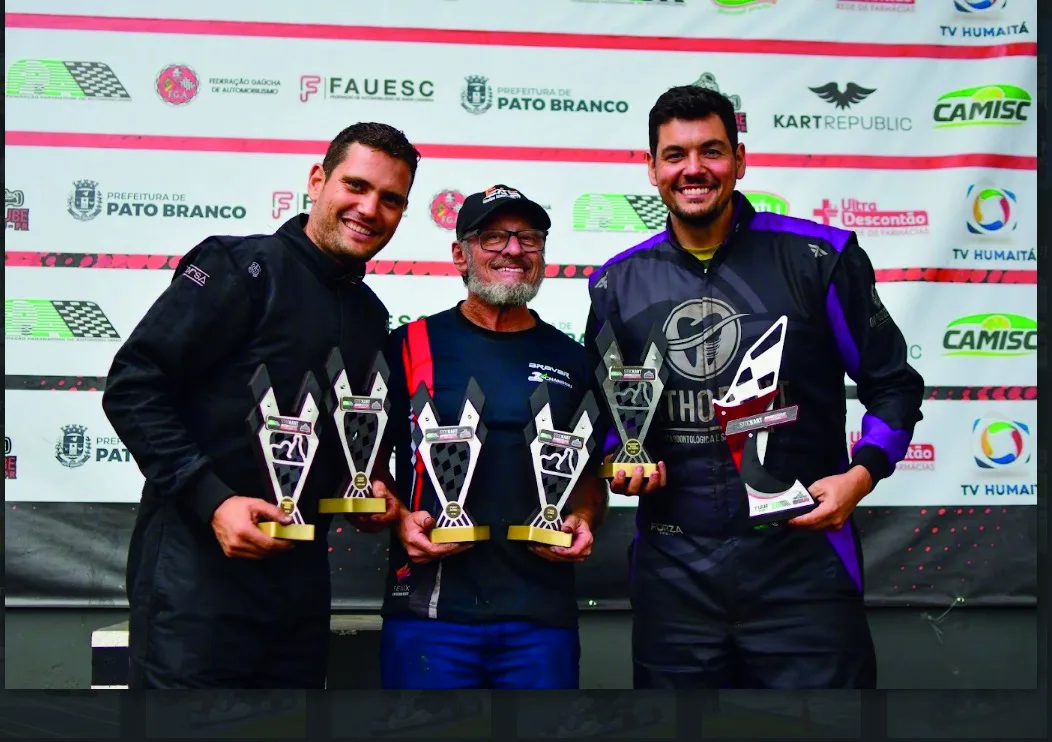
(539, 372)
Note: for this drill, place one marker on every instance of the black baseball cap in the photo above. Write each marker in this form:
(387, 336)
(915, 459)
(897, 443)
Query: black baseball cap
(478, 207)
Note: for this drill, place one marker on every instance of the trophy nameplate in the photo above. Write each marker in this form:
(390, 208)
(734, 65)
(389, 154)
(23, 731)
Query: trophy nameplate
(449, 454)
(632, 393)
(360, 422)
(285, 448)
(746, 414)
(558, 459)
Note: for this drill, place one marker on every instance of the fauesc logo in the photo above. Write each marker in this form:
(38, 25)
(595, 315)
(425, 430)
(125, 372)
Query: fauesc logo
(986, 105)
(991, 335)
(1000, 443)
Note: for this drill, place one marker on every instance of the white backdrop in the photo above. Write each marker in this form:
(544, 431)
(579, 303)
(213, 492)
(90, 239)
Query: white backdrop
(265, 109)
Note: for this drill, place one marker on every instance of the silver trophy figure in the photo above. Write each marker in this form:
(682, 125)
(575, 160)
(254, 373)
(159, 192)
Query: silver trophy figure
(449, 454)
(558, 458)
(746, 414)
(360, 423)
(285, 450)
(632, 394)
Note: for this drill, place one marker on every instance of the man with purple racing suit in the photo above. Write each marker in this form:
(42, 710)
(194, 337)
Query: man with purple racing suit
(718, 603)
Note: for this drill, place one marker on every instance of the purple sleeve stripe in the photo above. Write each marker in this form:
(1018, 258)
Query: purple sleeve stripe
(876, 432)
(770, 222)
(845, 343)
(657, 239)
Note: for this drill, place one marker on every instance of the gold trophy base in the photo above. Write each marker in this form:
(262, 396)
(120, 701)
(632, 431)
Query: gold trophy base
(610, 470)
(352, 505)
(291, 532)
(539, 535)
(459, 534)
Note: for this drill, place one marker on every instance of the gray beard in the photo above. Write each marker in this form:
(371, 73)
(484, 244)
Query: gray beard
(499, 294)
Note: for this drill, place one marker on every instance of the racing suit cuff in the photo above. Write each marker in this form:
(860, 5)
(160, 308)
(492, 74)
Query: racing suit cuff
(208, 493)
(874, 460)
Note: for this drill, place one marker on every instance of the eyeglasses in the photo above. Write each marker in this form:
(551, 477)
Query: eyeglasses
(495, 240)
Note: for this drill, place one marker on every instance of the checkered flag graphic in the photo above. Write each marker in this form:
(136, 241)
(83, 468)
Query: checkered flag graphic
(47, 318)
(451, 466)
(650, 209)
(96, 80)
(361, 436)
(52, 78)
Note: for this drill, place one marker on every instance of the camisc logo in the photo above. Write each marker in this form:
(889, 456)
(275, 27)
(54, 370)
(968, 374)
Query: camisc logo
(445, 206)
(978, 6)
(55, 79)
(1000, 443)
(992, 210)
(49, 319)
(991, 335)
(177, 84)
(763, 201)
(618, 212)
(987, 105)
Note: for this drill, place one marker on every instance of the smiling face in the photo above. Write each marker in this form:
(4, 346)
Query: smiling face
(695, 169)
(359, 206)
(509, 277)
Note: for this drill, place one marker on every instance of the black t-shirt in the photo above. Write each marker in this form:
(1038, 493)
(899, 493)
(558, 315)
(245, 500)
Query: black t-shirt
(497, 579)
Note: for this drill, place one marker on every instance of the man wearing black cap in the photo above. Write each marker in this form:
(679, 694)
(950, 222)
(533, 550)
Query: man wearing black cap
(495, 613)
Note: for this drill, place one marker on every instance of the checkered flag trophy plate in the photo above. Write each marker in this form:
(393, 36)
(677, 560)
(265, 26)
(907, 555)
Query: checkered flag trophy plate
(558, 458)
(449, 454)
(632, 394)
(746, 414)
(360, 424)
(286, 448)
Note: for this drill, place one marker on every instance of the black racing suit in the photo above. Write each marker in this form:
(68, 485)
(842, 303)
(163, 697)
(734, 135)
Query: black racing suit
(178, 396)
(718, 603)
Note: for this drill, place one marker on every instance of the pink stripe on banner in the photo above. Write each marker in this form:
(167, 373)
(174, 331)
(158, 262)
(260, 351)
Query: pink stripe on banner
(485, 152)
(509, 38)
(126, 261)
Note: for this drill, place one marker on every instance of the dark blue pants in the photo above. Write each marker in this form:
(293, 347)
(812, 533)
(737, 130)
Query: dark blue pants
(417, 654)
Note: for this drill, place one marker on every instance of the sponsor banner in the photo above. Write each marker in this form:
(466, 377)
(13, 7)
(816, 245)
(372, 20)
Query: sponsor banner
(962, 218)
(563, 118)
(67, 451)
(951, 22)
(980, 453)
(56, 322)
(565, 97)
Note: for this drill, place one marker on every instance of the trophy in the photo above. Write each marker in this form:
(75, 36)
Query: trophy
(746, 416)
(449, 454)
(286, 448)
(360, 422)
(632, 394)
(559, 457)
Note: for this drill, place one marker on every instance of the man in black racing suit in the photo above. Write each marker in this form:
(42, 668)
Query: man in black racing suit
(718, 603)
(215, 602)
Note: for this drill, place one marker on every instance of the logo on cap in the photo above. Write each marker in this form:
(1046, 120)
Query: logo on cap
(499, 191)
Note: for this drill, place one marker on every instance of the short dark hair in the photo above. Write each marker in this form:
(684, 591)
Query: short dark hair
(375, 136)
(691, 103)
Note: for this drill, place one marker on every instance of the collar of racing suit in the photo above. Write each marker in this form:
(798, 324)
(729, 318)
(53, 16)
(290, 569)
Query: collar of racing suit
(741, 219)
(329, 270)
